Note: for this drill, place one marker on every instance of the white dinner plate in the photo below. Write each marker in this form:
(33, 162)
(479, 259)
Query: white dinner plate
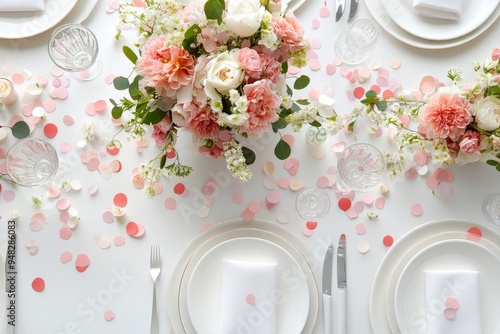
(410, 301)
(16, 25)
(292, 5)
(381, 306)
(379, 13)
(474, 14)
(224, 231)
(204, 289)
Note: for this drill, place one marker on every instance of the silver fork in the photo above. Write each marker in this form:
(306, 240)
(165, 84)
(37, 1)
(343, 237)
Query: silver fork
(155, 269)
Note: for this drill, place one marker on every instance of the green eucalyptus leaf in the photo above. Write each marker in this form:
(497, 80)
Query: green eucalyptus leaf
(121, 83)
(130, 54)
(282, 150)
(289, 91)
(279, 124)
(116, 112)
(303, 102)
(493, 163)
(214, 9)
(154, 117)
(113, 102)
(301, 82)
(190, 37)
(133, 89)
(248, 154)
(163, 161)
(381, 105)
(20, 130)
(371, 93)
(284, 67)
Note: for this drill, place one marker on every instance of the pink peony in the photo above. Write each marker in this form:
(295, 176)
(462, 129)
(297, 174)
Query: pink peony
(160, 130)
(262, 105)
(495, 55)
(164, 68)
(445, 115)
(289, 30)
(250, 61)
(469, 143)
(201, 121)
(272, 68)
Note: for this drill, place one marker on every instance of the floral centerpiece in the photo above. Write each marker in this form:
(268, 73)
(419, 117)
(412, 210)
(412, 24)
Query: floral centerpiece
(216, 69)
(459, 123)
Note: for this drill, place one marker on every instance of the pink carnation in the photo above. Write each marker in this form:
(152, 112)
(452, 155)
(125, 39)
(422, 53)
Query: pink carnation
(445, 115)
(161, 129)
(469, 144)
(289, 30)
(272, 68)
(201, 121)
(250, 61)
(164, 68)
(495, 55)
(262, 105)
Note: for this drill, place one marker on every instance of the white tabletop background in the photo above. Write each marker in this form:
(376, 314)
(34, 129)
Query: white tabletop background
(118, 278)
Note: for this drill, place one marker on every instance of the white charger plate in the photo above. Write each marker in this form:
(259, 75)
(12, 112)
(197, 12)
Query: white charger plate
(16, 25)
(292, 5)
(379, 13)
(381, 306)
(410, 301)
(474, 14)
(204, 289)
(177, 289)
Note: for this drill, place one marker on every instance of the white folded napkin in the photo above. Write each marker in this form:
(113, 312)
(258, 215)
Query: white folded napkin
(445, 286)
(248, 298)
(21, 5)
(439, 9)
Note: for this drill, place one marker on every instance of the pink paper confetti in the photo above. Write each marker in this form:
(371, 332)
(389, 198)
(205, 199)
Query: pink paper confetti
(379, 203)
(250, 299)
(119, 240)
(120, 200)
(449, 313)
(307, 232)
(324, 12)
(363, 246)
(38, 284)
(452, 302)
(360, 228)
(247, 215)
(254, 207)
(283, 216)
(315, 23)
(416, 210)
(65, 233)
(82, 262)
(331, 69)
(65, 257)
(474, 234)
(109, 315)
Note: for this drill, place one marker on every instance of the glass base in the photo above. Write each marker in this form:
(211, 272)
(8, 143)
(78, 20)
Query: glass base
(90, 73)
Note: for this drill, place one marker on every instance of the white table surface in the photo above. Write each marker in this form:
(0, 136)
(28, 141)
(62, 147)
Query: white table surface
(118, 278)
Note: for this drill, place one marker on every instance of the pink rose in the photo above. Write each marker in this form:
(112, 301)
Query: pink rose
(262, 105)
(250, 61)
(470, 142)
(495, 55)
(166, 69)
(160, 130)
(272, 68)
(201, 121)
(289, 30)
(445, 115)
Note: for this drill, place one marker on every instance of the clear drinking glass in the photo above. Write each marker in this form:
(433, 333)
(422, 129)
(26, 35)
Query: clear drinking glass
(31, 162)
(316, 135)
(491, 208)
(312, 204)
(74, 48)
(355, 44)
(360, 167)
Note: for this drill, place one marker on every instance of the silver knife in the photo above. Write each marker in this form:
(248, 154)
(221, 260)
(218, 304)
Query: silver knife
(10, 278)
(339, 9)
(341, 285)
(327, 290)
(354, 8)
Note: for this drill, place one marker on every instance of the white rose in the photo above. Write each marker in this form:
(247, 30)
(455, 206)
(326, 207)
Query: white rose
(487, 113)
(244, 16)
(223, 74)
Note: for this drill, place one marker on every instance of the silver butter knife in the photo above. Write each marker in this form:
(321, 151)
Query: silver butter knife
(327, 290)
(341, 285)
(339, 9)
(354, 8)
(10, 278)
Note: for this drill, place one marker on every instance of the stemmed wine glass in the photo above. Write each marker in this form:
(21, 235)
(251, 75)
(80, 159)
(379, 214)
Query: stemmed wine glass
(31, 162)
(360, 167)
(74, 48)
(312, 204)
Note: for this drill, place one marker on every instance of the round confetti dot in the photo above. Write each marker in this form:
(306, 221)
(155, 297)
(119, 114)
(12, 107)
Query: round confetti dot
(416, 210)
(363, 246)
(452, 302)
(179, 188)
(273, 196)
(120, 200)
(449, 313)
(331, 69)
(50, 130)
(65, 257)
(344, 203)
(247, 215)
(379, 203)
(38, 284)
(119, 240)
(108, 216)
(315, 23)
(109, 315)
(283, 216)
(324, 12)
(311, 225)
(132, 228)
(474, 234)
(254, 207)
(359, 92)
(307, 232)
(388, 241)
(82, 262)
(65, 233)
(100, 105)
(360, 229)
